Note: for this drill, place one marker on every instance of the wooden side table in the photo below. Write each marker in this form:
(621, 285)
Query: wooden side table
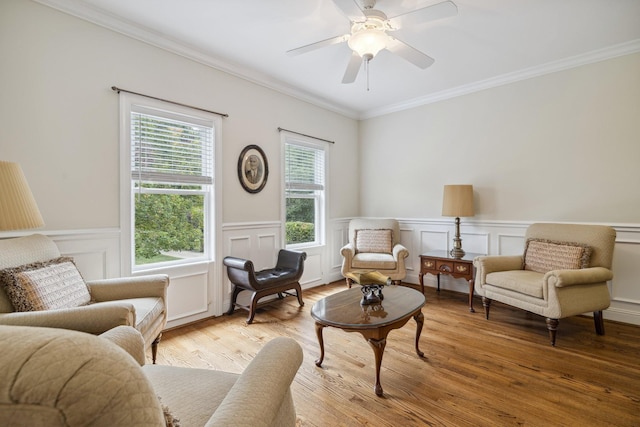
(440, 262)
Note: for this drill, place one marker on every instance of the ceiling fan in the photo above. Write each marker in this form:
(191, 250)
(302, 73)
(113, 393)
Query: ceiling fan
(370, 30)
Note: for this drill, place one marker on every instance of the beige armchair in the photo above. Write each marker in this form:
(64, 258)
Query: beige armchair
(132, 301)
(54, 377)
(374, 245)
(563, 272)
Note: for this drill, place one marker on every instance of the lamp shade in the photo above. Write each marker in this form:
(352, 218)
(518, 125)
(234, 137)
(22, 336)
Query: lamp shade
(18, 208)
(457, 200)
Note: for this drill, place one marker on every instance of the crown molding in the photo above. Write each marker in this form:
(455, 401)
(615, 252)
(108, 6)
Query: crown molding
(622, 49)
(99, 17)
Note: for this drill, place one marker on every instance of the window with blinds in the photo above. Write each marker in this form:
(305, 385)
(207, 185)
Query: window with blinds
(171, 158)
(304, 176)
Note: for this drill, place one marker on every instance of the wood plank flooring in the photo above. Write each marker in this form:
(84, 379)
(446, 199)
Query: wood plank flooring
(476, 372)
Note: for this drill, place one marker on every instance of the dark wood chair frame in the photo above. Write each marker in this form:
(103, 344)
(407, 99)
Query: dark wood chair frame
(283, 277)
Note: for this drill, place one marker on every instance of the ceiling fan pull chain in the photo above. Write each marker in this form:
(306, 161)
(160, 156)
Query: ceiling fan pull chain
(366, 67)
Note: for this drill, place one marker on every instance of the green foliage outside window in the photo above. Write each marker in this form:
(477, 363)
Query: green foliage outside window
(167, 222)
(300, 226)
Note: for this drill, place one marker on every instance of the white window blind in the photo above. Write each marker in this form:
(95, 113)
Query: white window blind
(304, 168)
(169, 150)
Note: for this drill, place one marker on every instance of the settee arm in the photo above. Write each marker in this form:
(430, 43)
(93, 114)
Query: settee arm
(348, 251)
(494, 263)
(93, 318)
(263, 388)
(400, 252)
(153, 285)
(129, 339)
(583, 276)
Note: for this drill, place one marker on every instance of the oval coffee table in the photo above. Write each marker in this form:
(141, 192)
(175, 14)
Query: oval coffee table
(343, 310)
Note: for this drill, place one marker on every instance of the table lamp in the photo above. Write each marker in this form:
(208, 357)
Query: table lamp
(18, 208)
(457, 201)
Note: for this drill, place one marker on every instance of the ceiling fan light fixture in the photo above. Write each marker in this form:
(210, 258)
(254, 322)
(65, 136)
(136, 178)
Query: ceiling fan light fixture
(368, 41)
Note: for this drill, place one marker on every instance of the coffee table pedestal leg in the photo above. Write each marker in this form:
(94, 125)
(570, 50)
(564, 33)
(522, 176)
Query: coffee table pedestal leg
(319, 329)
(378, 351)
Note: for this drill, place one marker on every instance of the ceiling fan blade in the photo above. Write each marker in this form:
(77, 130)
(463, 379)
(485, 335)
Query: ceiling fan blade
(317, 45)
(352, 68)
(350, 9)
(445, 9)
(409, 53)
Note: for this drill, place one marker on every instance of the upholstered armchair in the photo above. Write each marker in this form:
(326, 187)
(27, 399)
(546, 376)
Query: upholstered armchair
(55, 377)
(38, 287)
(374, 245)
(563, 272)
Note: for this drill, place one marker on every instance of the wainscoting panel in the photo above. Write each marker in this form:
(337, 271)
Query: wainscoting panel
(97, 255)
(188, 296)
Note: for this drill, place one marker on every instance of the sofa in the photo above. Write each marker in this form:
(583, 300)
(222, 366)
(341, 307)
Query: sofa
(93, 306)
(562, 272)
(55, 377)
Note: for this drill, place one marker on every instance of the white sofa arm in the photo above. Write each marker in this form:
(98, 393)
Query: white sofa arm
(583, 276)
(93, 319)
(128, 339)
(154, 285)
(263, 388)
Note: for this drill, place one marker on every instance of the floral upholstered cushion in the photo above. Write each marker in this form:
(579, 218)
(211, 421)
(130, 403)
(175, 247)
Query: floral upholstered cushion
(547, 255)
(45, 285)
(374, 241)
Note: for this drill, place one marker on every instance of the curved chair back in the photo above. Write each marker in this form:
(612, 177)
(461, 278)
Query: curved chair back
(600, 238)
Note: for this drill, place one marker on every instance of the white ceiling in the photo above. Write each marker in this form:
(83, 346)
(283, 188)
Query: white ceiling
(489, 42)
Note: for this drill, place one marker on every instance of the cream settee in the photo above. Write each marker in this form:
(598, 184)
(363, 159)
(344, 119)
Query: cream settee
(55, 377)
(563, 272)
(134, 301)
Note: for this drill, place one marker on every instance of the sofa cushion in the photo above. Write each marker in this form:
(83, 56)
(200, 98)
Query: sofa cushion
(374, 241)
(48, 285)
(374, 261)
(522, 281)
(548, 255)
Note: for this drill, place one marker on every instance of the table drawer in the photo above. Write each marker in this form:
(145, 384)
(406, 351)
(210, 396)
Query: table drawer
(462, 268)
(445, 266)
(428, 264)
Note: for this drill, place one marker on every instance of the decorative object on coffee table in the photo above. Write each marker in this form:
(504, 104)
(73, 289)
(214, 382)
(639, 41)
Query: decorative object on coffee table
(371, 294)
(457, 201)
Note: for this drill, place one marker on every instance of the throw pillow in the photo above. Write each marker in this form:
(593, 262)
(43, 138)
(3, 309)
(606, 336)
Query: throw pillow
(45, 285)
(547, 255)
(374, 241)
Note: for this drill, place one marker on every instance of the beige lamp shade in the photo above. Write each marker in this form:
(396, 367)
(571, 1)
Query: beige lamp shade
(18, 208)
(457, 200)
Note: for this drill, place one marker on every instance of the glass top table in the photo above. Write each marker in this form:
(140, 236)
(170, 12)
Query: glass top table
(374, 322)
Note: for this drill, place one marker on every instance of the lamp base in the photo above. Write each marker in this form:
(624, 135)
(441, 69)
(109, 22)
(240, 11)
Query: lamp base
(457, 251)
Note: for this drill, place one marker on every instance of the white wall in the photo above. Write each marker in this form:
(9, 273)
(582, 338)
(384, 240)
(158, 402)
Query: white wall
(561, 147)
(60, 117)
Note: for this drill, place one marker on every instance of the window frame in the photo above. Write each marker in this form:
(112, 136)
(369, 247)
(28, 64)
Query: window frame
(321, 197)
(131, 103)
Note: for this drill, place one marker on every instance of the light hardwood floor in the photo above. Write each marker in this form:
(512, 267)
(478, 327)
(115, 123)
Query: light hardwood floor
(476, 372)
